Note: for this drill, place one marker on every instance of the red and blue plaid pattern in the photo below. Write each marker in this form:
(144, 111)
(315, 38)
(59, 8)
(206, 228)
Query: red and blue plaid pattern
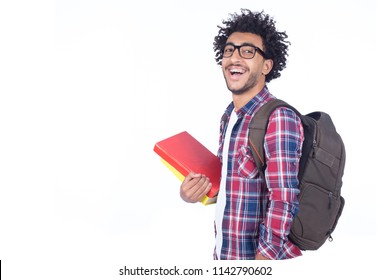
(257, 216)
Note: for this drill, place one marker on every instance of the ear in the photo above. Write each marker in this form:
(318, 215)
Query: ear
(267, 66)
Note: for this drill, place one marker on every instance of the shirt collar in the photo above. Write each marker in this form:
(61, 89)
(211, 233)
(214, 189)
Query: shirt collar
(250, 107)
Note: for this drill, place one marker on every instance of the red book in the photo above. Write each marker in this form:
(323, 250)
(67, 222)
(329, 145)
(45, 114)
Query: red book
(182, 153)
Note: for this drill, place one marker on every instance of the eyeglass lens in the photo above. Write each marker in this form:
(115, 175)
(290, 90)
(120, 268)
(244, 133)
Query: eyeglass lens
(245, 51)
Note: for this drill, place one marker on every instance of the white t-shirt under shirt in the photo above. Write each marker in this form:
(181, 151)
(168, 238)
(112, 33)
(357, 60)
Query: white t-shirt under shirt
(221, 201)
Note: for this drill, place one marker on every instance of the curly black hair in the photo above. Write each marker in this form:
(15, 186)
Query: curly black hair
(259, 23)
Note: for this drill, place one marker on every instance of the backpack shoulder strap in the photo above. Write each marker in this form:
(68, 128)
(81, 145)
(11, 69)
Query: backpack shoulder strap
(258, 127)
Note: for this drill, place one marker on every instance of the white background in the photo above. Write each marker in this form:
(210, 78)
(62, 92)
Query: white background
(88, 87)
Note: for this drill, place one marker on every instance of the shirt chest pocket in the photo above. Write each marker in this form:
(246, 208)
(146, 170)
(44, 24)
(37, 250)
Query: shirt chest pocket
(246, 164)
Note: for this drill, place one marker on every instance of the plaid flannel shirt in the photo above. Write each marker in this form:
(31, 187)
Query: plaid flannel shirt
(257, 216)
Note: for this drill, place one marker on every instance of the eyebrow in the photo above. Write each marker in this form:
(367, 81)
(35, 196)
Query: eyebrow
(243, 44)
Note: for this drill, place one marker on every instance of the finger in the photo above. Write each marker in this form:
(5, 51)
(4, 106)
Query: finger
(191, 176)
(189, 187)
(203, 189)
(204, 193)
(189, 184)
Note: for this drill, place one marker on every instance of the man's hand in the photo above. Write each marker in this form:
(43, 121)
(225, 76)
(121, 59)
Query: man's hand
(194, 187)
(260, 257)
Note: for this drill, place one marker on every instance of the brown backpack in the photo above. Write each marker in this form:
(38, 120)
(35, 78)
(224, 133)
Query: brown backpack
(321, 168)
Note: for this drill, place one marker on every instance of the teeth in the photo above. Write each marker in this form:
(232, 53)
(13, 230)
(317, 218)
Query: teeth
(234, 71)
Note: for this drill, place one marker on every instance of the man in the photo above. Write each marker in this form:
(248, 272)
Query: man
(253, 216)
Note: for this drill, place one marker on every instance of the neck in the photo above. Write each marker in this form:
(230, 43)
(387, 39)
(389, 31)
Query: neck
(240, 100)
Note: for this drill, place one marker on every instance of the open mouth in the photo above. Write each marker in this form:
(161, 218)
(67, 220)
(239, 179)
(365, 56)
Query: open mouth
(236, 72)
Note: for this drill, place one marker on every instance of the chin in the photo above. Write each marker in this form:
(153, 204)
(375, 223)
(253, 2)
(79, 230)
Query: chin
(238, 91)
(235, 89)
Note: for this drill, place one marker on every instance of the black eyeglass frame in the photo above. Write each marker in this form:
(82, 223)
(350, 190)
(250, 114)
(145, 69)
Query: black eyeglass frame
(260, 51)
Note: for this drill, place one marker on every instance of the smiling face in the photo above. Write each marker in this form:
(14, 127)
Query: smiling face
(245, 76)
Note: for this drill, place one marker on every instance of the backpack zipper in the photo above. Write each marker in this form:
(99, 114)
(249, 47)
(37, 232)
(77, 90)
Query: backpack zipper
(315, 141)
(314, 146)
(330, 194)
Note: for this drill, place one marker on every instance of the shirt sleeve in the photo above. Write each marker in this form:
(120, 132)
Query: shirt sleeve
(283, 149)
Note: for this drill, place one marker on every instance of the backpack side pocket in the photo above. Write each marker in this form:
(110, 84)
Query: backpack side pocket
(319, 209)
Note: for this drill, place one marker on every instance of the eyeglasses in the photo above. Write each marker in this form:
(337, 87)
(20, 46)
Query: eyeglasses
(246, 51)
